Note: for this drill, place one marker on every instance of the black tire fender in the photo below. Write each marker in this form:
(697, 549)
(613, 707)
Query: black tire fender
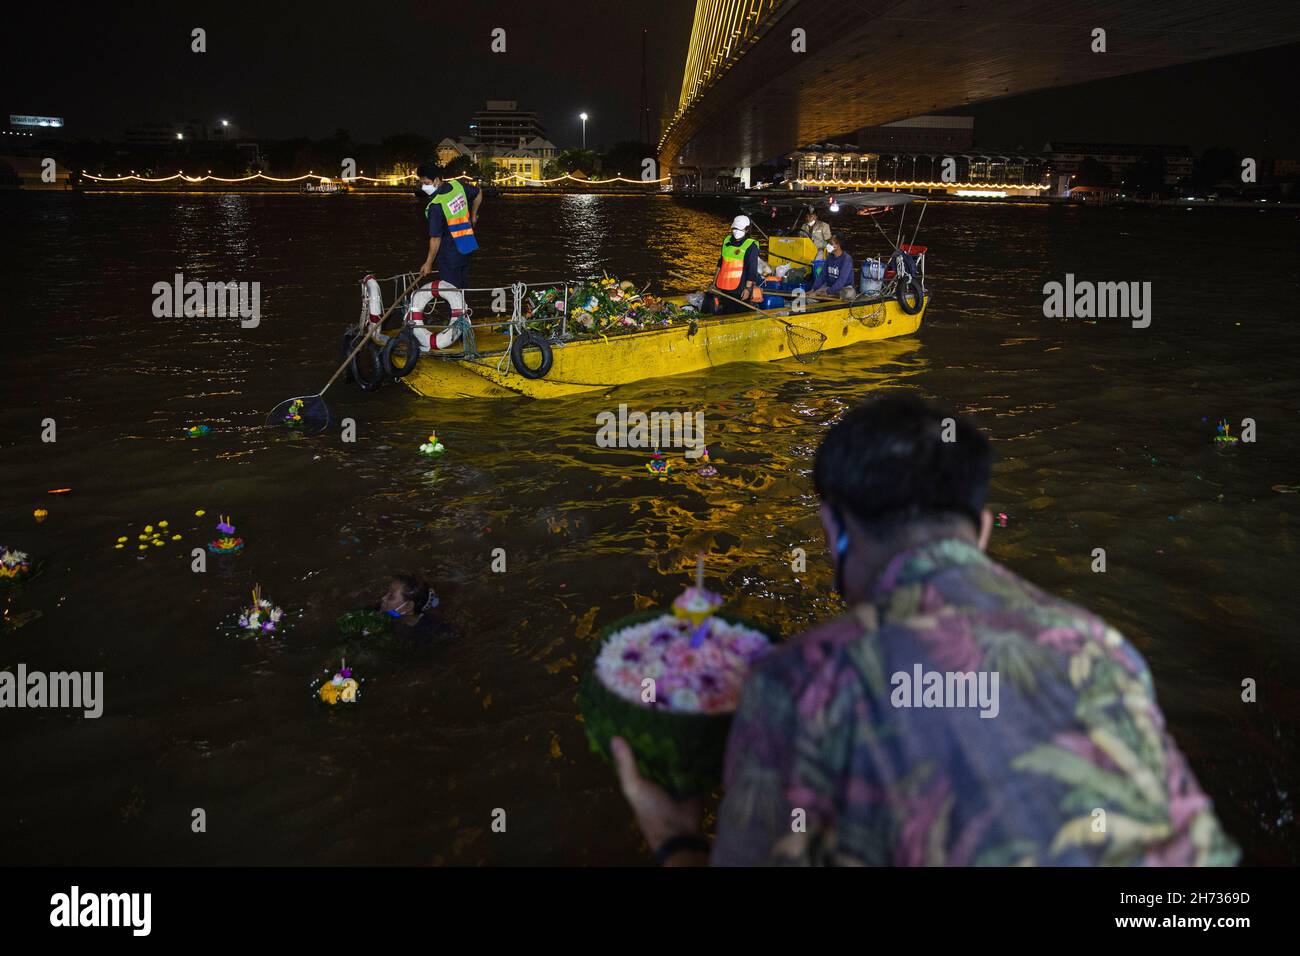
(367, 367)
(911, 298)
(402, 353)
(345, 349)
(531, 339)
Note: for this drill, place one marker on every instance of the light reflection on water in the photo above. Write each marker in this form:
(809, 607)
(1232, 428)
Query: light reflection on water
(1098, 429)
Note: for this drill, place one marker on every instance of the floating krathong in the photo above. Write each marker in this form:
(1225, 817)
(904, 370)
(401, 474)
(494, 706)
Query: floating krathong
(226, 542)
(659, 466)
(15, 565)
(342, 688)
(706, 469)
(262, 617)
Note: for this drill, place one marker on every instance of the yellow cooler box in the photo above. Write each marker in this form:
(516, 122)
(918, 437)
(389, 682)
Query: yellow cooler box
(791, 250)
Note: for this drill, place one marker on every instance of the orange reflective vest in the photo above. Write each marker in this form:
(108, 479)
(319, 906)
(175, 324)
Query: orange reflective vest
(455, 209)
(733, 264)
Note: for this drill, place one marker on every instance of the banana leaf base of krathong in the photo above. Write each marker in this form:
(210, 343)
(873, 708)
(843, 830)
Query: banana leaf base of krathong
(683, 753)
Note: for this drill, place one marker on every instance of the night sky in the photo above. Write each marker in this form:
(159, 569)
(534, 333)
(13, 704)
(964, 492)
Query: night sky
(425, 67)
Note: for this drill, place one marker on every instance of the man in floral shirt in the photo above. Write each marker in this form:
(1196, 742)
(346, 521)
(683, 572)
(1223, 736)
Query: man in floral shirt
(956, 715)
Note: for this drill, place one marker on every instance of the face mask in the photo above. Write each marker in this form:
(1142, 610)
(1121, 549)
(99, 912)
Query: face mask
(738, 233)
(842, 544)
(427, 188)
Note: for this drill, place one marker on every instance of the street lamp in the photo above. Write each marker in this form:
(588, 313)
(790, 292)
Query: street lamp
(583, 117)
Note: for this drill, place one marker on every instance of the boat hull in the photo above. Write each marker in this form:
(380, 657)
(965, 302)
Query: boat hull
(600, 363)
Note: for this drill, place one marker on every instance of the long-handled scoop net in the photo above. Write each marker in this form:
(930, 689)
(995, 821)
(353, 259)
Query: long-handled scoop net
(308, 413)
(805, 343)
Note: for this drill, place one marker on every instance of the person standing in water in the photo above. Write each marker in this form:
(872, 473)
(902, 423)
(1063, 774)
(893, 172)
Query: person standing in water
(409, 600)
(451, 210)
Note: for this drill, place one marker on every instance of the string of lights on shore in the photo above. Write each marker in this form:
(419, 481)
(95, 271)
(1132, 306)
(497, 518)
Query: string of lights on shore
(577, 179)
(519, 178)
(389, 180)
(914, 184)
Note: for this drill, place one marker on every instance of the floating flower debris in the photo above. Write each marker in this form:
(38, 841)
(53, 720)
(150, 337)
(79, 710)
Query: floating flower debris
(226, 542)
(198, 431)
(1224, 434)
(154, 537)
(293, 414)
(1002, 519)
(40, 514)
(432, 448)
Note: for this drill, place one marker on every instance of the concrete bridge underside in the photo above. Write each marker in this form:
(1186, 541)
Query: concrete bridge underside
(892, 59)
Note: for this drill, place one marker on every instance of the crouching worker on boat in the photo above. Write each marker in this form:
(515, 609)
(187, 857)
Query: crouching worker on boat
(738, 271)
(451, 209)
(837, 279)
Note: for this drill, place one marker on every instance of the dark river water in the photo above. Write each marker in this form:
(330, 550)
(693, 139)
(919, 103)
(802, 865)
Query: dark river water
(1104, 436)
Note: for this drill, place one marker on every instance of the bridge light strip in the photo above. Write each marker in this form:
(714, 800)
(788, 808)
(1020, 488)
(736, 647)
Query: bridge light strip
(722, 31)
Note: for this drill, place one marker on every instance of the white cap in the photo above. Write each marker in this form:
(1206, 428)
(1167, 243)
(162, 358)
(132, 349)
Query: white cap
(740, 222)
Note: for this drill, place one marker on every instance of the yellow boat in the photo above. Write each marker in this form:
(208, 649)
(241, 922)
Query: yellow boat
(760, 335)
(583, 365)
(601, 362)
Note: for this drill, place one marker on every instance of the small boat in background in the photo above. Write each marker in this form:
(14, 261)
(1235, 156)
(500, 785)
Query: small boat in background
(326, 188)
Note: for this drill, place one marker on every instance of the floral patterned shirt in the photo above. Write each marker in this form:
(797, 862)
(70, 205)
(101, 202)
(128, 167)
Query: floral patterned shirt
(960, 717)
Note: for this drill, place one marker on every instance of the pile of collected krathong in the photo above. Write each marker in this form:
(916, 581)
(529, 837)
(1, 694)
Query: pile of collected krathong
(601, 307)
(668, 684)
